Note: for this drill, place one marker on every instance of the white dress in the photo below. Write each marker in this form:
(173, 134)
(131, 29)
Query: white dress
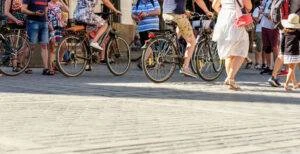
(231, 41)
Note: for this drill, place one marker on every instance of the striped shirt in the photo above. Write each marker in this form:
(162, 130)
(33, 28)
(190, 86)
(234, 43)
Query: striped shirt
(148, 23)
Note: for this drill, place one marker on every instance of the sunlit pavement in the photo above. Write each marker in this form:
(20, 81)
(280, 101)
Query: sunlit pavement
(102, 114)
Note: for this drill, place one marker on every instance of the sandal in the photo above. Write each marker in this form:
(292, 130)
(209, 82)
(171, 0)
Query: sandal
(28, 71)
(233, 85)
(287, 88)
(48, 72)
(226, 82)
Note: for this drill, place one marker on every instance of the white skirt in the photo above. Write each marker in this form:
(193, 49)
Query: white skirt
(231, 41)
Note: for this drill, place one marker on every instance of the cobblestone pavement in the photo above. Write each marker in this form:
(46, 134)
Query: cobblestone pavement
(98, 113)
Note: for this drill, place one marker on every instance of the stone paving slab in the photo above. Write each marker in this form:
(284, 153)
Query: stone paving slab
(98, 113)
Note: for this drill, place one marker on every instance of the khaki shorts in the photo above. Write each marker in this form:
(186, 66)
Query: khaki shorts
(183, 23)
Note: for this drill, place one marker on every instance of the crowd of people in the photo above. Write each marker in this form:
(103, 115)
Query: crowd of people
(277, 30)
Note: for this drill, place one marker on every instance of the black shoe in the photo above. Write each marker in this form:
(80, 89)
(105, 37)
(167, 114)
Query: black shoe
(249, 65)
(139, 65)
(267, 70)
(16, 69)
(274, 82)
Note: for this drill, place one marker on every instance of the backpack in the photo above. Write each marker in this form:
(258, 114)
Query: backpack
(276, 10)
(138, 3)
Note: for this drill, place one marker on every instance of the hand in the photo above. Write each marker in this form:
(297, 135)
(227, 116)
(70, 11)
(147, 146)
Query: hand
(209, 14)
(136, 18)
(19, 22)
(40, 13)
(117, 12)
(188, 14)
(143, 15)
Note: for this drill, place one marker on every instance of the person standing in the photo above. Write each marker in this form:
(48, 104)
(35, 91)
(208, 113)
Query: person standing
(279, 11)
(145, 13)
(270, 36)
(259, 60)
(231, 40)
(37, 28)
(56, 24)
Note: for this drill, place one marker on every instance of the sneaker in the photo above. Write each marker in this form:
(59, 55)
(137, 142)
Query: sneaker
(267, 70)
(96, 45)
(274, 82)
(283, 73)
(88, 67)
(263, 66)
(257, 66)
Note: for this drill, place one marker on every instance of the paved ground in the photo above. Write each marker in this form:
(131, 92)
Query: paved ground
(98, 113)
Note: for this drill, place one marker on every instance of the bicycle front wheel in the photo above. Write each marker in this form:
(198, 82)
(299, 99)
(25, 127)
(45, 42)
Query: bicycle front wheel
(208, 64)
(118, 56)
(159, 60)
(71, 56)
(15, 54)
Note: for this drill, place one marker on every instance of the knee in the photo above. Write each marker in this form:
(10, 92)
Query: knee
(191, 42)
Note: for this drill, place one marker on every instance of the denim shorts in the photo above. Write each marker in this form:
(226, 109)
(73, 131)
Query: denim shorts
(38, 32)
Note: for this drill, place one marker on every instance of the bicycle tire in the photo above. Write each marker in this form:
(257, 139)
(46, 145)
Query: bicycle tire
(155, 62)
(70, 56)
(22, 48)
(203, 57)
(116, 58)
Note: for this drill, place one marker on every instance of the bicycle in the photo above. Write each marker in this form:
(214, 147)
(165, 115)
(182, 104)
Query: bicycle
(74, 52)
(206, 60)
(15, 52)
(162, 53)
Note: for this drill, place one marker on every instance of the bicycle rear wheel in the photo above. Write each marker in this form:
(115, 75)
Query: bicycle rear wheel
(159, 60)
(15, 54)
(71, 56)
(208, 64)
(118, 56)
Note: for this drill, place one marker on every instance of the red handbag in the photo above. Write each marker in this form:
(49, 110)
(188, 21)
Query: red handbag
(245, 20)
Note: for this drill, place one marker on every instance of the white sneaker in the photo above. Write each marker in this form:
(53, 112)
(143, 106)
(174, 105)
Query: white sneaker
(95, 45)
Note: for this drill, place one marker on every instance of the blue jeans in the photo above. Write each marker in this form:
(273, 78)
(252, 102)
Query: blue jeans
(38, 32)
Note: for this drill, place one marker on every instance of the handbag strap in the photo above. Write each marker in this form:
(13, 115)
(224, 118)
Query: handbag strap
(239, 3)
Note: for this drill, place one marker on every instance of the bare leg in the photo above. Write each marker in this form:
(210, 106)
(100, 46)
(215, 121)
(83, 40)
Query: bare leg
(236, 64)
(277, 66)
(191, 43)
(45, 55)
(100, 32)
(290, 77)
(52, 55)
(268, 59)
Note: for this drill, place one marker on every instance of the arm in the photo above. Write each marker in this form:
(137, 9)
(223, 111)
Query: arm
(8, 14)
(203, 6)
(216, 5)
(247, 5)
(28, 12)
(64, 7)
(111, 6)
